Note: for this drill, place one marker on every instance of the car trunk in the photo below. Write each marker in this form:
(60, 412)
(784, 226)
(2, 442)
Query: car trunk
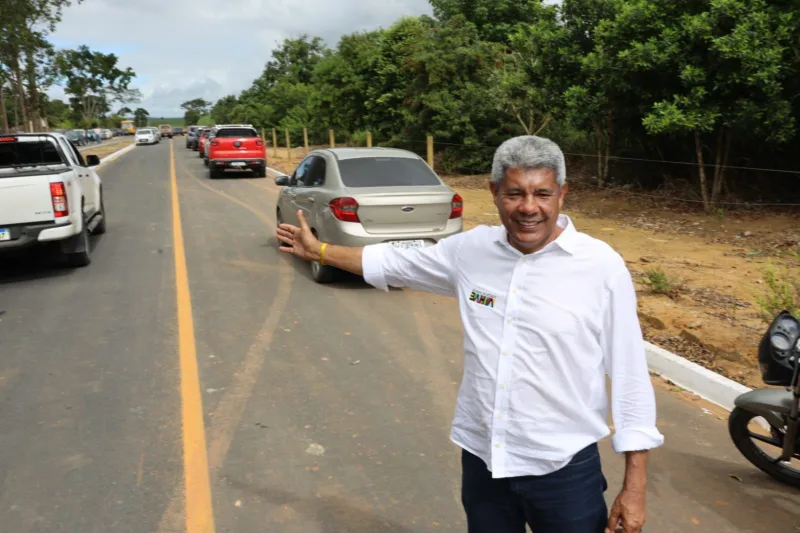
(393, 210)
(25, 199)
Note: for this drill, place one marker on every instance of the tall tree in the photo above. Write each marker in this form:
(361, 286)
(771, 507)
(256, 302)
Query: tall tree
(495, 20)
(194, 109)
(140, 117)
(94, 81)
(24, 25)
(716, 73)
(221, 113)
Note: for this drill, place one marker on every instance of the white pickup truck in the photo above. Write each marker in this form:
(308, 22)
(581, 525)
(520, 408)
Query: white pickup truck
(49, 194)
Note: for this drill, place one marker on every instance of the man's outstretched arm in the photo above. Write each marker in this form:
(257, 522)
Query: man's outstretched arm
(427, 269)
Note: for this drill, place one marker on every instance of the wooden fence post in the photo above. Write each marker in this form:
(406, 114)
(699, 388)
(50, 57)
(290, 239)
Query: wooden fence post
(430, 151)
(305, 139)
(369, 139)
(263, 137)
(288, 147)
(331, 138)
(274, 142)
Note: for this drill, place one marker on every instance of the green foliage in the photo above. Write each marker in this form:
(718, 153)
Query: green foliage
(781, 295)
(659, 282)
(94, 81)
(704, 81)
(140, 117)
(194, 109)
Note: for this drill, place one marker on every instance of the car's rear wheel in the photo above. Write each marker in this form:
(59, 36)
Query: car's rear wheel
(213, 173)
(101, 227)
(82, 257)
(261, 173)
(323, 273)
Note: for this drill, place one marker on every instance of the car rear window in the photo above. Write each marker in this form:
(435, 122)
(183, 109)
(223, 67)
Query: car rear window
(23, 152)
(386, 172)
(237, 132)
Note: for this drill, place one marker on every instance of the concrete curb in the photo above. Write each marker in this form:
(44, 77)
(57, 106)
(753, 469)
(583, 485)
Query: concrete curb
(693, 377)
(113, 155)
(276, 172)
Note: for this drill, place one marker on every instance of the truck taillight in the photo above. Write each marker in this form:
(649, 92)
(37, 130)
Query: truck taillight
(59, 196)
(456, 207)
(345, 209)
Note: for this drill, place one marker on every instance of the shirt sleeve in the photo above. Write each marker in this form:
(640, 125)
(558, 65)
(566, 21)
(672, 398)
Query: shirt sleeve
(633, 403)
(429, 269)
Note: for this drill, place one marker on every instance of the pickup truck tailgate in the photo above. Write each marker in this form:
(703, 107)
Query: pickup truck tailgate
(25, 199)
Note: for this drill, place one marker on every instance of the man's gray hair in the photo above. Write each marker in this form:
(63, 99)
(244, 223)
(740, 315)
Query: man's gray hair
(528, 152)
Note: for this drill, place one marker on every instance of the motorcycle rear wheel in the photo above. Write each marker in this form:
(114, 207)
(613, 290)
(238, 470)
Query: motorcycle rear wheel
(738, 423)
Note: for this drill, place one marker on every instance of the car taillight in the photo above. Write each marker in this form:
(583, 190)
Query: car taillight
(456, 207)
(259, 142)
(345, 209)
(59, 196)
(214, 143)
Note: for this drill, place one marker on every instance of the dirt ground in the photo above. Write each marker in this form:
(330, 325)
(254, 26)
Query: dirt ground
(715, 263)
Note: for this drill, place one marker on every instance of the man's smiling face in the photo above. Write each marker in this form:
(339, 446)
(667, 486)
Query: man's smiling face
(529, 202)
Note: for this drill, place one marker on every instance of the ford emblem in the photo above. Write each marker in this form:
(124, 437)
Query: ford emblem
(408, 209)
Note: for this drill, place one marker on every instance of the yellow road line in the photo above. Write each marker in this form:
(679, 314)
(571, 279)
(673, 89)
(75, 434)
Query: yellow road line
(199, 514)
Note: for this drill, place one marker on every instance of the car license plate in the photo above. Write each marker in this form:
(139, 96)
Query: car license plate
(237, 164)
(409, 244)
(5, 235)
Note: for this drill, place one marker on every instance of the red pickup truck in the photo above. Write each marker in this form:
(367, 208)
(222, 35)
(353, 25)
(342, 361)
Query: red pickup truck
(237, 147)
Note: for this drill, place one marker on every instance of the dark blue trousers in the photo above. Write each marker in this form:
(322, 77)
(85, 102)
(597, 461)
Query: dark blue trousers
(569, 500)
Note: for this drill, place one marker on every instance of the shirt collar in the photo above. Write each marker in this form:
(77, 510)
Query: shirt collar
(566, 241)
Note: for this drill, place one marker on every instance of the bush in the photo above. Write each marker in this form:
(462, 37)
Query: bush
(781, 295)
(659, 282)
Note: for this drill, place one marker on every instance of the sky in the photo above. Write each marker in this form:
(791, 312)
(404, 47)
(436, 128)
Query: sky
(185, 49)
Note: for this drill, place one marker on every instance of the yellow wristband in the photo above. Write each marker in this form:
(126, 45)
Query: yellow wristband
(322, 253)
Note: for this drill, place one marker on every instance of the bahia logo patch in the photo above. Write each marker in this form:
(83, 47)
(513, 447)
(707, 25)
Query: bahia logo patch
(481, 299)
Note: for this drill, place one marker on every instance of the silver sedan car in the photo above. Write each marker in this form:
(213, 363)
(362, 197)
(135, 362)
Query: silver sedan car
(361, 196)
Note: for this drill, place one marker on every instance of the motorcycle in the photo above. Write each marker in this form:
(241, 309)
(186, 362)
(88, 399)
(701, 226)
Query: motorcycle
(779, 365)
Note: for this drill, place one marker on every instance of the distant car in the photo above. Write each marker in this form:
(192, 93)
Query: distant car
(191, 136)
(108, 134)
(77, 137)
(147, 136)
(236, 147)
(361, 196)
(207, 144)
(166, 130)
(201, 142)
(177, 131)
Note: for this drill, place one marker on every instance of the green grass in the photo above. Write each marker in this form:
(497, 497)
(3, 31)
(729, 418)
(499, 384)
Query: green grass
(174, 122)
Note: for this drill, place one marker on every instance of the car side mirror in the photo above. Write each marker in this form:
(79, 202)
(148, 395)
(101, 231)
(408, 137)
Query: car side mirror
(92, 160)
(282, 181)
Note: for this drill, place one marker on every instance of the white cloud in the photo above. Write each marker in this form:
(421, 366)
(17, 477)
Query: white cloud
(183, 49)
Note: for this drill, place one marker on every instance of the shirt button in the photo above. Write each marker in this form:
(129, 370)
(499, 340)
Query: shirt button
(505, 352)
(509, 320)
(502, 385)
(497, 445)
(499, 417)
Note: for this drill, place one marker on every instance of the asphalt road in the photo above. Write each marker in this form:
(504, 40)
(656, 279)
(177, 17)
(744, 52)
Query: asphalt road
(290, 406)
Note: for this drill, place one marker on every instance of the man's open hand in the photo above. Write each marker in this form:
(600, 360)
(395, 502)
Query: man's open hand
(299, 241)
(628, 512)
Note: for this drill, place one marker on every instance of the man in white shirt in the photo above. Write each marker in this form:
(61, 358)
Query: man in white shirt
(548, 312)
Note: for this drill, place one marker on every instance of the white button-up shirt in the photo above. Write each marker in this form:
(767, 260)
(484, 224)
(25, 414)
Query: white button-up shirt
(541, 331)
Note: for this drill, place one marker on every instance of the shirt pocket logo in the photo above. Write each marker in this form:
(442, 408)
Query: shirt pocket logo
(482, 299)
